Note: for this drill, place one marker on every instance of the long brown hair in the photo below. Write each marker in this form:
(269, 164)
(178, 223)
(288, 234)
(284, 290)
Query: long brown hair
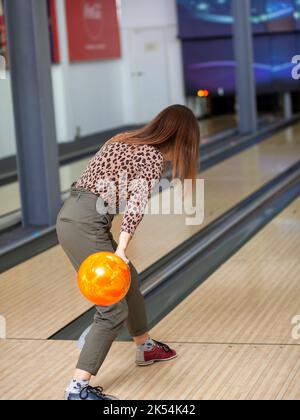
(175, 131)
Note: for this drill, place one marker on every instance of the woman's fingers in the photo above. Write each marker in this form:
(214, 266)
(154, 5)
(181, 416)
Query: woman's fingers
(120, 253)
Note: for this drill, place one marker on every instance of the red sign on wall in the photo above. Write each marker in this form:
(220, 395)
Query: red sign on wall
(93, 29)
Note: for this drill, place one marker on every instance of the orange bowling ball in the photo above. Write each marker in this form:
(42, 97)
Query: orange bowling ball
(104, 278)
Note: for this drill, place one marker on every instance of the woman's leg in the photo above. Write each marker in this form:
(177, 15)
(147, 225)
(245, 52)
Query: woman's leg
(137, 322)
(107, 325)
(79, 240)
(148, 350)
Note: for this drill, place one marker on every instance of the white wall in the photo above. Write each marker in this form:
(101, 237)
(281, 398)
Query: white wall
(96, 93)
(95, 96)
(148, 13)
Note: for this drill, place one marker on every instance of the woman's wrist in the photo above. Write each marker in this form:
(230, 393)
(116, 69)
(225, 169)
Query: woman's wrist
(124, 241)
(121, 253)
(121, 248)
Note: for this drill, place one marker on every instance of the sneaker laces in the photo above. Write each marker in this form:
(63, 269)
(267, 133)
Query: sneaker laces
(164, 346)
(84, 393)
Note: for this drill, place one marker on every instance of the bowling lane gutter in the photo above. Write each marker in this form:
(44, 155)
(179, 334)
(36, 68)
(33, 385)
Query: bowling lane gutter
(171, 279)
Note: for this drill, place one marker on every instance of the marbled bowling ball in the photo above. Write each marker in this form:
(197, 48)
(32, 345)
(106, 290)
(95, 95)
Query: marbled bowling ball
(104, 279)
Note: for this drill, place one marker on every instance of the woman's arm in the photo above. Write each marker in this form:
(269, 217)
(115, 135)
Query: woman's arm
(123, 245)
(140, 192)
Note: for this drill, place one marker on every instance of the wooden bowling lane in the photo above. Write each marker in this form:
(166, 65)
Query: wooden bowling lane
(40, 296)
(252, 298)
(40, 370)
(10, 194)
(215, 125)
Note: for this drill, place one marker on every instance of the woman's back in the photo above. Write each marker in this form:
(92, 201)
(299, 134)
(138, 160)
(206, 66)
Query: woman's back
(113, 172)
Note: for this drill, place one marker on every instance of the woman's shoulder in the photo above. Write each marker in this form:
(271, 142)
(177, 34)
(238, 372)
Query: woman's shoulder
(115, 145)
(146, 153)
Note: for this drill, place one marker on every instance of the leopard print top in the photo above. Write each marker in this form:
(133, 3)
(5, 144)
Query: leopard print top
(124, 173)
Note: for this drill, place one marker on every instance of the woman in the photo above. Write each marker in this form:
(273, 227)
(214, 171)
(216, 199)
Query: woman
(134, 161)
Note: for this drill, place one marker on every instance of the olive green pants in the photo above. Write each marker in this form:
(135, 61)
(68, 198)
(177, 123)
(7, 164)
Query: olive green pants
(82, 231)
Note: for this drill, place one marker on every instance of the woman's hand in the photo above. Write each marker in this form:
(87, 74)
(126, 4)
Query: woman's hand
(123, 244)
(121, 253)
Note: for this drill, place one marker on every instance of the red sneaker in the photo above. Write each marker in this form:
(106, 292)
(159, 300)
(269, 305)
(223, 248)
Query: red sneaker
(160, 352)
